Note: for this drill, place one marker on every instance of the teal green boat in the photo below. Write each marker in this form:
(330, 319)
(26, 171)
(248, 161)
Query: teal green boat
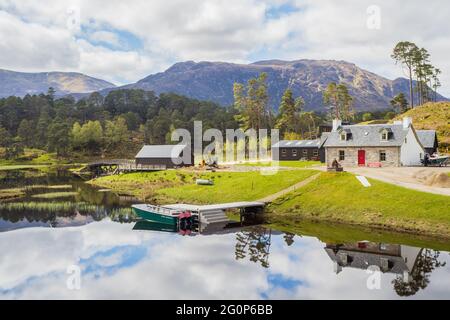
(157, 214)
(145, 225)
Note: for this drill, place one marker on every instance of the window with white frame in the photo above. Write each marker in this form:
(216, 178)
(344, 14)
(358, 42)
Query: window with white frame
(294, 152)
(316, 153)
(382, 156)
(344, 136)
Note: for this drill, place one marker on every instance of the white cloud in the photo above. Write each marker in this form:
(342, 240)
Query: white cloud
(31, 46)
(233, 30)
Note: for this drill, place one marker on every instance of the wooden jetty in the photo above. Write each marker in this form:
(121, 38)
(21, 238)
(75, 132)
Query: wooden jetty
(216, 213)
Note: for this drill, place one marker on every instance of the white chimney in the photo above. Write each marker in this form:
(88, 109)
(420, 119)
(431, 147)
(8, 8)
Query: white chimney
(407, 122)
(336, 124)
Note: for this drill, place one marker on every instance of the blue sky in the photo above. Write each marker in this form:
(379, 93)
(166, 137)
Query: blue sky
(126, 41)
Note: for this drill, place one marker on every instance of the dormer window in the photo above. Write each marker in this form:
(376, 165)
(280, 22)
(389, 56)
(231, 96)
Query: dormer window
(385, 134)
(345, 134)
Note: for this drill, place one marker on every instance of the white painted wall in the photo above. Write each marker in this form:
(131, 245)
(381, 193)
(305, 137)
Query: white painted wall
(409, 255)
(411, 152)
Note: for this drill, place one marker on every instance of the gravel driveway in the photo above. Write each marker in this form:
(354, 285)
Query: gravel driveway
(417, 178)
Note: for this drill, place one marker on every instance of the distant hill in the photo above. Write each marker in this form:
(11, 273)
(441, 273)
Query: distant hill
(20, 84)
(214, 81)
(432, 116)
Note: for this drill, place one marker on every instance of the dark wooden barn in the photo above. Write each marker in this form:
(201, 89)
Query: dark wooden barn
(295, 150)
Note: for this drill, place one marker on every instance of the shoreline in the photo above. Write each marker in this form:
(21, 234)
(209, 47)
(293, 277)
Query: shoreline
(332, 198)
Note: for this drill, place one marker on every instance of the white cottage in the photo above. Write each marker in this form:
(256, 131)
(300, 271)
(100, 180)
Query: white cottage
(386, 145)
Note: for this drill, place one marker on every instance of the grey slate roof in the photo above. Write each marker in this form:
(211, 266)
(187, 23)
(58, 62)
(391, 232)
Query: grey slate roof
(367, 136)
(427, 138)
(298, 144)
(324, 138)
(165, 151)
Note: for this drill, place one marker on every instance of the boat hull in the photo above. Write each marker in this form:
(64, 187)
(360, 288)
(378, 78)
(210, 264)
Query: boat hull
(155, 217)
(145, 225)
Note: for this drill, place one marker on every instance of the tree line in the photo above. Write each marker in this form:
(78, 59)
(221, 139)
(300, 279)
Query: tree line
(293, 121)
(97, 125)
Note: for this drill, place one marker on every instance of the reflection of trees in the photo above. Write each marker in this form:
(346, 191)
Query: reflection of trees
(426, 262)
(89, 202)
(254, 243)
(289, 238)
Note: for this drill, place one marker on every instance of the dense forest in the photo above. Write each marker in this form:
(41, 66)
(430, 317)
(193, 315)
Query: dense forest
(117, 125)
(108, 126)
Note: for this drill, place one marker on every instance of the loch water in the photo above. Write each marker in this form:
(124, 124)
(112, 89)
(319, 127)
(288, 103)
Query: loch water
(65, 239)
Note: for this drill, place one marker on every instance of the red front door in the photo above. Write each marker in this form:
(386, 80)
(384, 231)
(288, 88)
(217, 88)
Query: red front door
(361, 157)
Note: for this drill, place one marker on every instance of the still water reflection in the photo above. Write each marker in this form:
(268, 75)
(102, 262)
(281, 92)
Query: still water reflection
(56, 199)
(124, 259)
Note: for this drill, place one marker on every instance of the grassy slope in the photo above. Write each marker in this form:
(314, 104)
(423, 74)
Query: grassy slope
(432, 116)
(341, 198)
(176, 186)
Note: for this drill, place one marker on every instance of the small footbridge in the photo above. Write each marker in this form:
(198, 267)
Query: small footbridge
(117, 166)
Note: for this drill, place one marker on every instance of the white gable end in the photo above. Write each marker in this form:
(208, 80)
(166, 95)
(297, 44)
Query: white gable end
(411, 151)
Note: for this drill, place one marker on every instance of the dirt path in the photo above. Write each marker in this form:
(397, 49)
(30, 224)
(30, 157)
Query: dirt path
(411, 177)
(277, 195)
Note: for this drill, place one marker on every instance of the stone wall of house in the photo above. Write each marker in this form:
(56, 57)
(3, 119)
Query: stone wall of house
(372, 155)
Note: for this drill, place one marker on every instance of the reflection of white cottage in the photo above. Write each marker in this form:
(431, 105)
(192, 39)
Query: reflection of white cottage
(390, 258)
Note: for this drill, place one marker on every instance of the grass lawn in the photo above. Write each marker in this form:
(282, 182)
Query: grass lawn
(143, 184)
(179, 186)
(341, 198)
(290, 164)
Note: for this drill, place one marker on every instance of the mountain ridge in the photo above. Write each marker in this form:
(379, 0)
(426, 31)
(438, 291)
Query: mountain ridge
(307, 78)
(213, 81)
(13, 83)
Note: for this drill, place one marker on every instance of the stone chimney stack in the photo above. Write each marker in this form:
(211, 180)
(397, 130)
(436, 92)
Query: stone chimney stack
(407, 122)
(336, 124)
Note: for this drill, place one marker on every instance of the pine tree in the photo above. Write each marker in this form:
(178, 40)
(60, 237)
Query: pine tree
(59, 137)
(251, 102)
(290, 110)
(404, 53)
(399, 103)
(338, 98)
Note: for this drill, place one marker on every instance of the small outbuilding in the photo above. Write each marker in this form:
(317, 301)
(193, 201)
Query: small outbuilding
(168, 156)
(429, 140)
(295, 150)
